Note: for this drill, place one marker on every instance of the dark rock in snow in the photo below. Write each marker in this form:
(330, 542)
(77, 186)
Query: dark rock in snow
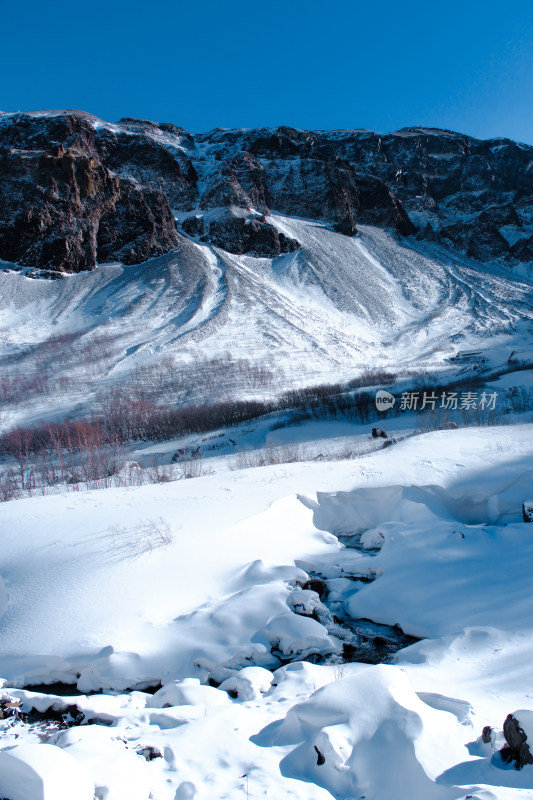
(143, 155)
(51, 207)
(148, 751)
(486, 735)
(317, 585)
(481, 238)
(527, 510)
(139, 226)
(427, 233)
(242, 183)
(320, 758)
(517, 749)
(65, 716)
(346, 226)
(9, 707)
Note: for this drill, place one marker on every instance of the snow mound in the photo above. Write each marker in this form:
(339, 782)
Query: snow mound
(188, 692)
(306, 602)
(292, 634)
(373, 539)
(367, 735)
(42, 772)
(117, 772)
(249, 683)
(185, 791)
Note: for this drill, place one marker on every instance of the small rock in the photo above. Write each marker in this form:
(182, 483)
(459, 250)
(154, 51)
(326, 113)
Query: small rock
(349, 650)
(317, 585)
(148, 752)
(486, 734)
(527, 510)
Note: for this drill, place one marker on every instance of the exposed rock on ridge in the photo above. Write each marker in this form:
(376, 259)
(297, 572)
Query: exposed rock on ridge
(62, 209)
(75, 190)
(240, 232)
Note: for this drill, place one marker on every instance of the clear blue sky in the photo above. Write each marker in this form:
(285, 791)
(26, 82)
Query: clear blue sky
(383, 65)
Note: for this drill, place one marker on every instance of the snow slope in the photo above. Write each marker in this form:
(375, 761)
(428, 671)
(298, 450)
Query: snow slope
(323, 313)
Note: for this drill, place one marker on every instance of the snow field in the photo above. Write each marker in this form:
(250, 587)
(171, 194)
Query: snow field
(441, 530)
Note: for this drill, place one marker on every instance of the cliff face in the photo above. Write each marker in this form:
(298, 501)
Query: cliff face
(63, 208)
(75, 191)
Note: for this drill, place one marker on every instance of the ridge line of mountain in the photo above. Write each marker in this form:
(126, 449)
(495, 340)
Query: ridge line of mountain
(76, 191)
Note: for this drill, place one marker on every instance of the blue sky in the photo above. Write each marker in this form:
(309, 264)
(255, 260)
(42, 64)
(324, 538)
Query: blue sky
(384, 65)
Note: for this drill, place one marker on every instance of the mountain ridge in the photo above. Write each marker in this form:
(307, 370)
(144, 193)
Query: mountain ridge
(76, 191)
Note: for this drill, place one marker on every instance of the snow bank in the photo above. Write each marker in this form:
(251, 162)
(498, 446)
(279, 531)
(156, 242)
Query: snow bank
(435, 566)
(437, 581)
(200, 602)
(362, 509)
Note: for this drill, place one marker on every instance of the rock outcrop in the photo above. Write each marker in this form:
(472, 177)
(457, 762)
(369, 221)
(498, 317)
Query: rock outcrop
(240, 233)
(517, 748)
(62, 209)
(75, 190)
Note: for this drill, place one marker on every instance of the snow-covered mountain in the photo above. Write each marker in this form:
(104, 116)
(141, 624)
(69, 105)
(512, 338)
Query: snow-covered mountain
(320, 253)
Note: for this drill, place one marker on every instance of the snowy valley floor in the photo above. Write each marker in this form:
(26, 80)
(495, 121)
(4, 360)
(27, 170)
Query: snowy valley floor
(197, 584)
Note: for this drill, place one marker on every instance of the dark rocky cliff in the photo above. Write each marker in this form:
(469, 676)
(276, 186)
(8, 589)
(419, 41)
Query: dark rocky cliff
(75, 191)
